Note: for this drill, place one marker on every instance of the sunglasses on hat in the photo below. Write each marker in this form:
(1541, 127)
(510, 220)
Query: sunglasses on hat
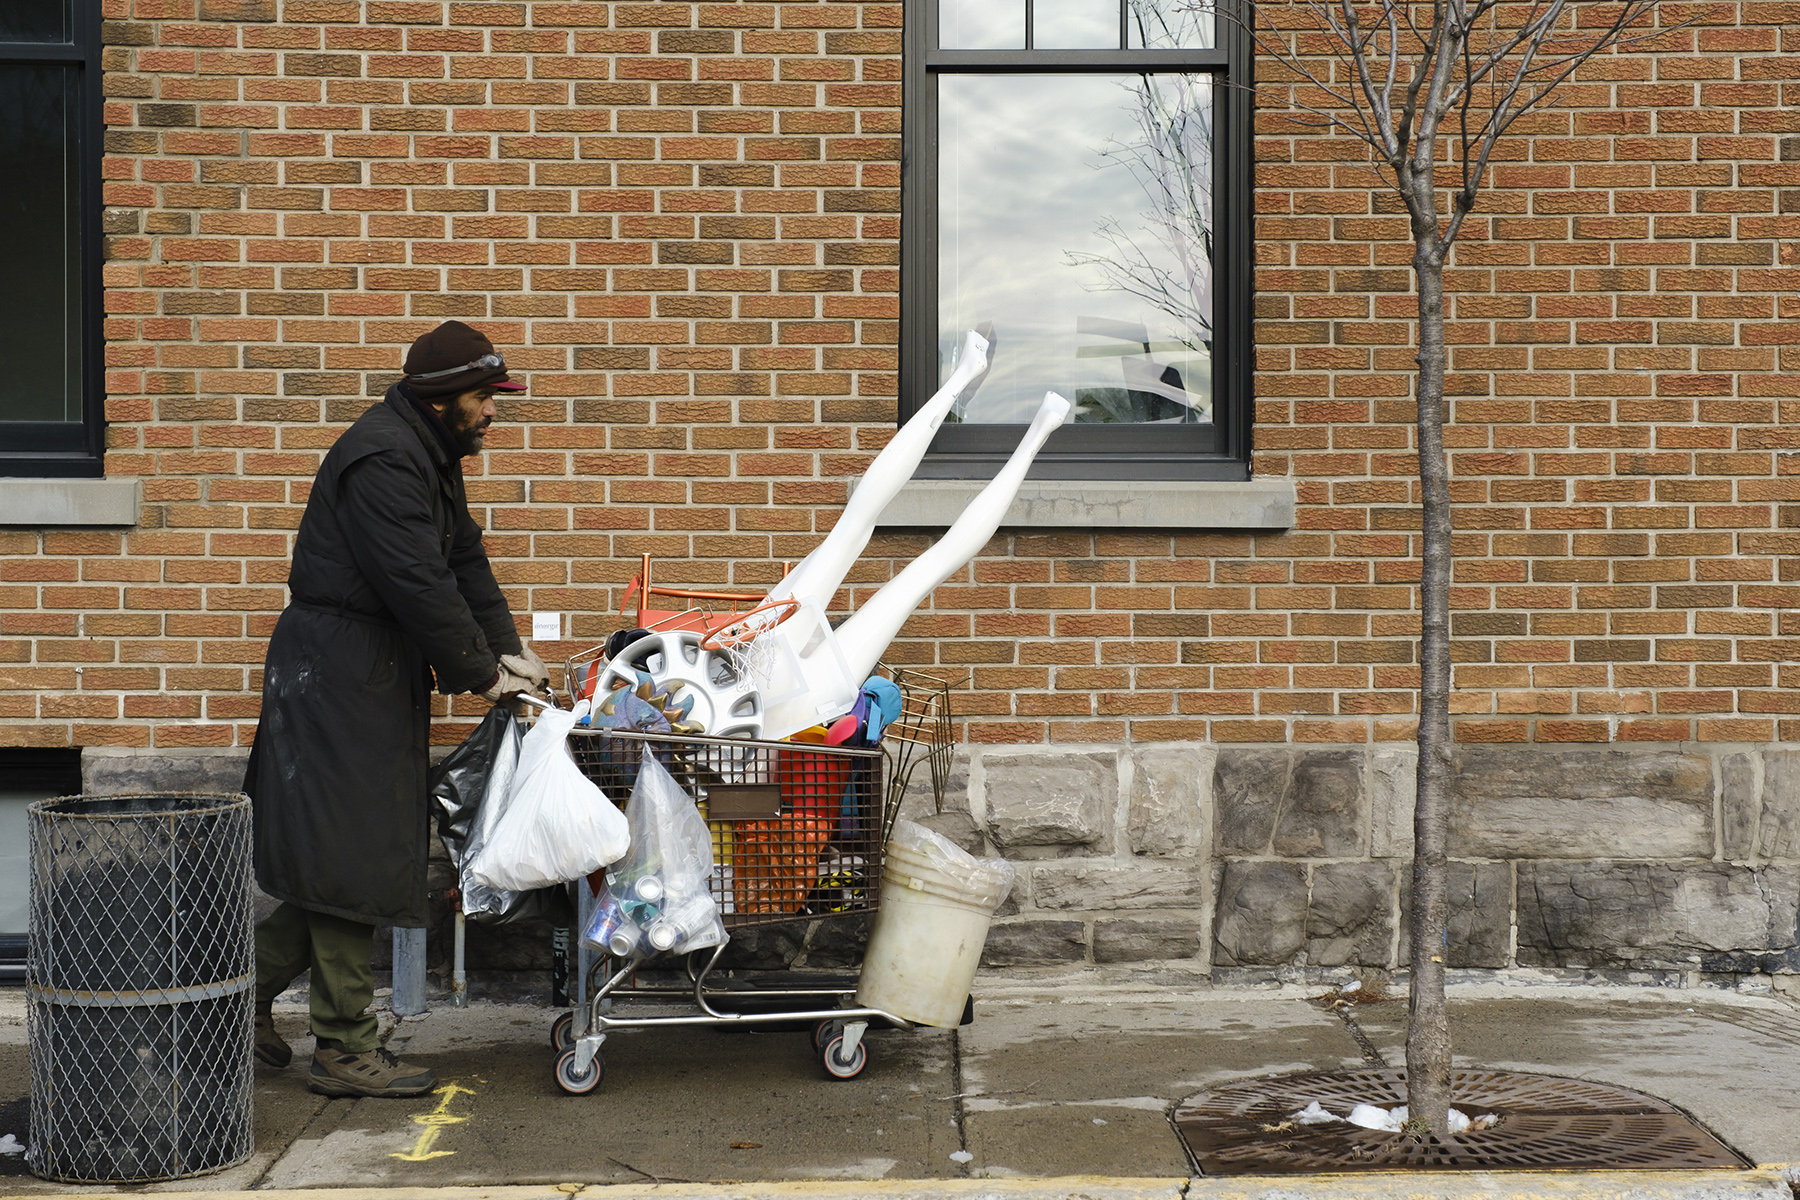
(487, 362)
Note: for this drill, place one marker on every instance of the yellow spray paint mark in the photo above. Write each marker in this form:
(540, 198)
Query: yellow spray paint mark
(434, 1122)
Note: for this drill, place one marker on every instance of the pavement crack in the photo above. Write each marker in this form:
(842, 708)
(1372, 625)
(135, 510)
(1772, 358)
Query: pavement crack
(1346, 1013)
(956, 1098)
(658, 1180)
(319, 1107)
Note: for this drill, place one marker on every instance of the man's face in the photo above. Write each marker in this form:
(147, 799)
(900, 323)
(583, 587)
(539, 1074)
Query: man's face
(467, 417)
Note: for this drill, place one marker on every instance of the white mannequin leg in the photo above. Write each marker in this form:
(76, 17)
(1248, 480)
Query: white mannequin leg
(820, 572)
(864, 637)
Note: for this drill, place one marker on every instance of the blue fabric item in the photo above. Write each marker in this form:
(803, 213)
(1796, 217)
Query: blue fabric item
(627, 712)
(884, 705)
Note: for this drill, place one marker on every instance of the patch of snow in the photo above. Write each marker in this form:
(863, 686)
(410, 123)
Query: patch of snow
(962, 1156)
(1370, 1117)
(1385, 1120)
(1312, 1114)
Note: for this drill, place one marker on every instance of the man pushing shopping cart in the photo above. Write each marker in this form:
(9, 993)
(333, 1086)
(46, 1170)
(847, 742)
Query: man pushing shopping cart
(391, 590)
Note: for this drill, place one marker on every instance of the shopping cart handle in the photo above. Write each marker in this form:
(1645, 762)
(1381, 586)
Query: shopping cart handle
(535, 701)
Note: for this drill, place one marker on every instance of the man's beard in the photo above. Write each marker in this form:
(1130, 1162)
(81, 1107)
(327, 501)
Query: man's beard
(468, 428)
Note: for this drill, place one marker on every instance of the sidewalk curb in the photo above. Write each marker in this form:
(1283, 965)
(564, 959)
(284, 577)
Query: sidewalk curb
(1433, 1185)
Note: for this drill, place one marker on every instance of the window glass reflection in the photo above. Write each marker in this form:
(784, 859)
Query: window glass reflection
(1170, 24)
(34, 20)
(1075, 24)
(1075, 213)
(981, 24)
(40, 304)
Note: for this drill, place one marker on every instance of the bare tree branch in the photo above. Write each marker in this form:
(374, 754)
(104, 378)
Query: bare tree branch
(1461, 82)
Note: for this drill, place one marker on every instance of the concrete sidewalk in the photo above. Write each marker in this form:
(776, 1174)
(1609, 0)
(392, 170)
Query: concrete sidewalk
(1061, 1088)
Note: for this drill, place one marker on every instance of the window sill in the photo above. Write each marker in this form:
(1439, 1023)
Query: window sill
(1255, 504)
(47, 503)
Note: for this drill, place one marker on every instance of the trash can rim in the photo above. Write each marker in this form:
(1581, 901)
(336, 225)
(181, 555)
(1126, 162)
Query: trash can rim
(197, 804)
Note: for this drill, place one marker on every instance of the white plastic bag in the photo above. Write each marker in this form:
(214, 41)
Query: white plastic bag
(659, 900)
(556, 825)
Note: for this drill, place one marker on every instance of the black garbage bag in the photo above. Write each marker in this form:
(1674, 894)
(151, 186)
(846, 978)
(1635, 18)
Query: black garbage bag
(467, 790)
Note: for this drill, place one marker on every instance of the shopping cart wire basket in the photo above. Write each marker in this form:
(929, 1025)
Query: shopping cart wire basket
(799, 833)
(784, 816)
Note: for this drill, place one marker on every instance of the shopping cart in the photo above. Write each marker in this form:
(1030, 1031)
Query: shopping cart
(799, 834)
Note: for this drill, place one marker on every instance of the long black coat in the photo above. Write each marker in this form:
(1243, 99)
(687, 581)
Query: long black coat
(389, 585)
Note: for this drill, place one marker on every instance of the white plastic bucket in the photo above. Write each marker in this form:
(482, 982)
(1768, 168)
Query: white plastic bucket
(927, 938)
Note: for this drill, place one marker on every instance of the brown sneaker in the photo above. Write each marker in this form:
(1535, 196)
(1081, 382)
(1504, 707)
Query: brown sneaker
(270, 1046)
(374, 1072)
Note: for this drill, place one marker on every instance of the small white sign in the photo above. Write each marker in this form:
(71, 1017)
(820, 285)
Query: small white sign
(546, 627)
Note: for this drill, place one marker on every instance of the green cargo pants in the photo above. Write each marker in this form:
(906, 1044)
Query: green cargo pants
(339, 953)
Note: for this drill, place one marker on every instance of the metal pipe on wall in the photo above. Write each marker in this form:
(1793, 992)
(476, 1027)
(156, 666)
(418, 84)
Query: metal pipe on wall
(409, 971)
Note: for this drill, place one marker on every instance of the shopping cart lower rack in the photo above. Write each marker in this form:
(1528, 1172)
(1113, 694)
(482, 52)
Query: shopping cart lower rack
(799, 832)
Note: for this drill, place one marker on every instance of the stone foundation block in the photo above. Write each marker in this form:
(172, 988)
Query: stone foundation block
(1289, 803)
(1740, 804)
(1035, 944)
(1261, 916)
(1481, 904)
(1481, 909)
(1141, 941)
(1778, 827)
(959, 827)
(1167, 812)
(1581, 804)
(519, 946)
(1607, 914)
(1760, 797)
(917, 802)
(1052, 801)
(1095, 886)
(1350, 916)
(1393, 786)
(109, 771)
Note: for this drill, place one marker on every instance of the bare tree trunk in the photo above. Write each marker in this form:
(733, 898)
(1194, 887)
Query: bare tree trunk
(1428, 1025)
(1432, 87)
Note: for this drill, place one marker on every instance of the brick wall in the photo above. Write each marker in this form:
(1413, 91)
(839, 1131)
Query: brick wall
(680, 220)
(1623, 316)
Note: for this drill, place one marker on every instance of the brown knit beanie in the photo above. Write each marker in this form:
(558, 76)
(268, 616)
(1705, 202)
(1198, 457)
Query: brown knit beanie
(450, 355)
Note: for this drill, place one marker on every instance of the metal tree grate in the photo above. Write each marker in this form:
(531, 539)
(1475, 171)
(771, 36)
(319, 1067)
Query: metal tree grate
(1546, 1123)
(139, 986)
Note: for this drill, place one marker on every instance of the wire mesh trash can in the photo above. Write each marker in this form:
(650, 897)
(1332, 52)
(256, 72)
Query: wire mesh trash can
(139, 986)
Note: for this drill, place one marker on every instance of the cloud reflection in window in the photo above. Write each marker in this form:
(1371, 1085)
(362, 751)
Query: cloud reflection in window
(1075, 214)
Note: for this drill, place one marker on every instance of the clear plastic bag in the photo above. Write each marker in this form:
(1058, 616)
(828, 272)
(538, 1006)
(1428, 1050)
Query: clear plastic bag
(659, 899)
(983, 882)
(556, 825)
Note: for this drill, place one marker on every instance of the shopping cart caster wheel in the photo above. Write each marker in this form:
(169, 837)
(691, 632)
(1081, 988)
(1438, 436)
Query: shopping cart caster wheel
(582, 1084)
(835, 1065)
(562, 1033)
(823, 1032)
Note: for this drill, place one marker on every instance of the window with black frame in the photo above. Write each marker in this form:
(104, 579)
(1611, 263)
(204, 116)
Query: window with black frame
(1077, 176)
(50, 392)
